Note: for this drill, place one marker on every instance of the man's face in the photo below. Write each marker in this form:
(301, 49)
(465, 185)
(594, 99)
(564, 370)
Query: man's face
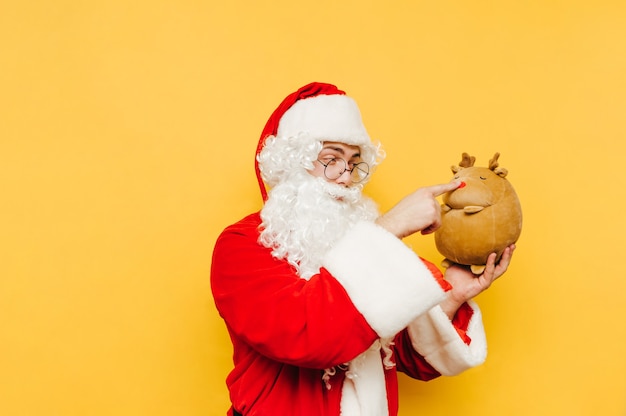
(330, 162)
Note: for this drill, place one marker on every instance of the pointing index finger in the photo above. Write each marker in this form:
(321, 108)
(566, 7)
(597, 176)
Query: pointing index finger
(441, 189)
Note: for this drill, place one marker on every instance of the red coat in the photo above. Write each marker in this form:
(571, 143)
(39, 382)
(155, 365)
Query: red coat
(286, 330)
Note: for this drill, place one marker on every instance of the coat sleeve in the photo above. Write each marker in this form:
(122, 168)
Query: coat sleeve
(370, 286)
(285, 318)
(388, 283)
(450, 347)
(432, 345)
(409, 361)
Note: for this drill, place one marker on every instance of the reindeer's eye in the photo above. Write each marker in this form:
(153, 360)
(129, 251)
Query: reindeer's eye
(483, 178)
(456, 176)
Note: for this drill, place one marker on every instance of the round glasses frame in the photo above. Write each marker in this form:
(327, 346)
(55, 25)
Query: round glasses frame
(335, 167)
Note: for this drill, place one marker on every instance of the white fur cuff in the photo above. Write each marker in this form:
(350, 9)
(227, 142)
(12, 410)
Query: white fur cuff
(386, 280)
(436, 339)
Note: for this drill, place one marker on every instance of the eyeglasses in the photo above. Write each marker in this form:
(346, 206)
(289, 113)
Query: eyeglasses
(334, 168)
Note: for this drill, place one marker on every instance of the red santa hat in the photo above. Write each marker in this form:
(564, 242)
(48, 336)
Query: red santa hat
(320, 110)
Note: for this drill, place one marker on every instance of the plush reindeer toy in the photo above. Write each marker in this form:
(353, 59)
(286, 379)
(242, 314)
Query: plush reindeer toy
(481, 217)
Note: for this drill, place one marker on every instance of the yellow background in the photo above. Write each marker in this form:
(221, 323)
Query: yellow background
(127, 138)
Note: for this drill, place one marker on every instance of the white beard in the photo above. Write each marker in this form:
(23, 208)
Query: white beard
(304, 216)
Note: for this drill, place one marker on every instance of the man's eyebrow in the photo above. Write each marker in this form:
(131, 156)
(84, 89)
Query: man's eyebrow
(341, 151)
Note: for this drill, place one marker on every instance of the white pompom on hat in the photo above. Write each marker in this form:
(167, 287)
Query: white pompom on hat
(321, 111)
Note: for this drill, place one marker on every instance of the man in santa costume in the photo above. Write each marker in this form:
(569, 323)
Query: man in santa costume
(323, 301)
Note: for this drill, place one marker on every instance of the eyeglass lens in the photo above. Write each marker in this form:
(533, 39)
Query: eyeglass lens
(336, 167)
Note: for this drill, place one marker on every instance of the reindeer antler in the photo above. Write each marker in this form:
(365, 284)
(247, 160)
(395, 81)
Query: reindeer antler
(467, 161)
(493, 163)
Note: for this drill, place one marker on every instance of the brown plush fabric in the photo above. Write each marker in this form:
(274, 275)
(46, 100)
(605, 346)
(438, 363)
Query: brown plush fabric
(480, 218)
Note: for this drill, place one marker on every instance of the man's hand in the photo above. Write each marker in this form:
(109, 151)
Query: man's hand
(418, 211)
(466, 285)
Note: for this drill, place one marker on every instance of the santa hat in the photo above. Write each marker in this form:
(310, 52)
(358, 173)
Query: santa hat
(322, 111)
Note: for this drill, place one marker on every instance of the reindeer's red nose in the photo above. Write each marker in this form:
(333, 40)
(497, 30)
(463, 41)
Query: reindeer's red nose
(462, 185)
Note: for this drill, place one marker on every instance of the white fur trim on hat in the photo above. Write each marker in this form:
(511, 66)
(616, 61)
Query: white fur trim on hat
(326, 117)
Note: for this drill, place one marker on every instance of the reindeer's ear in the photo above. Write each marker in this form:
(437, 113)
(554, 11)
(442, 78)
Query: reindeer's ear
(501, 172)
(455, 169)
(467, 161)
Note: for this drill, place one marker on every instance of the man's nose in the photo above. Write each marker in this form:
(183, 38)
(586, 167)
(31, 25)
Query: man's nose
(345, 178)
